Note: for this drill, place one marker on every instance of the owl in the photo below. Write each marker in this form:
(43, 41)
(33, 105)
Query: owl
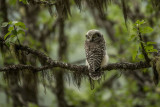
(96, 54)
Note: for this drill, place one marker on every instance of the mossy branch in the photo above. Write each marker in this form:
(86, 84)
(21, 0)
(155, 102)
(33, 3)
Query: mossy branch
(49, 63)
(77, 68)
(42, 2)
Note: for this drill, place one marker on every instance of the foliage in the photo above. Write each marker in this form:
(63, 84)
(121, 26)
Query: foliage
(14, 30)
(141, 27)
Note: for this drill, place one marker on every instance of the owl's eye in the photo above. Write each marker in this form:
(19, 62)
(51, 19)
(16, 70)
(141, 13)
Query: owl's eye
(96, 35)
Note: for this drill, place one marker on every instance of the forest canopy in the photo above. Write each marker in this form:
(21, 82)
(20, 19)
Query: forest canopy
(42, 55)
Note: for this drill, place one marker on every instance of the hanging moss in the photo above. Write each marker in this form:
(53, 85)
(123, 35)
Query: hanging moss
(156, 4)
(98, 4)
(20, 55)
(77, 77)
(124, 9)
(63, 8)
(78, 3)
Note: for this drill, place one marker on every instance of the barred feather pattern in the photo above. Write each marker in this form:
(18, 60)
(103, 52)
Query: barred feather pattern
(95, 52)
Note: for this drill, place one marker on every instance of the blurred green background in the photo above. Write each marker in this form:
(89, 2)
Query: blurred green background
(43, 32)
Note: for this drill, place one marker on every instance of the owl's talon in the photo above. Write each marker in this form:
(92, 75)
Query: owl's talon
(95, 75)
(98, 69)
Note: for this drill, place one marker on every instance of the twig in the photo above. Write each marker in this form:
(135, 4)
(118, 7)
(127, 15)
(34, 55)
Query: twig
(143, 49)
(17, 36)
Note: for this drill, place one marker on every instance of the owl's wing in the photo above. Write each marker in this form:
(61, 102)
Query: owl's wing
(94, 55)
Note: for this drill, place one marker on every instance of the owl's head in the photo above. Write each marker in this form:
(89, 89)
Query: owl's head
(94, 36)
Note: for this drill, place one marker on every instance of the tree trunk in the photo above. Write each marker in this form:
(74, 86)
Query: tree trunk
(59, 74)
(10, 76)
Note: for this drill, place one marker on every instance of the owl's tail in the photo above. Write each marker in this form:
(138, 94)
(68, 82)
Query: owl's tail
(95, 75)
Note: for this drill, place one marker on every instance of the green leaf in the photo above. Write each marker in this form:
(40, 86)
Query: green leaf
(10, 28)
(21, 25)
(150, 43)
(14, 22)
(139, 22)
(146, 29)
(21, 32)
(10, 22)
(154, 50)
(7, 35)
(4, 24)
(132, 37)
(12, 36)
(140, 56)
(14, 32)
(148, 47)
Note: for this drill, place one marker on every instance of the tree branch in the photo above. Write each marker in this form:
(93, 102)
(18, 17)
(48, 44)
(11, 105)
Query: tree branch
(43, 2)
(143, 47)
(72, 67)
(78, 68)
(37, 53)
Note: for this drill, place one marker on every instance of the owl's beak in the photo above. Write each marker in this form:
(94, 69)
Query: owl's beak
(90, 40)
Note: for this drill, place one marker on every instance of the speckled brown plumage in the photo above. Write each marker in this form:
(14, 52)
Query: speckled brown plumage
(95, 53)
